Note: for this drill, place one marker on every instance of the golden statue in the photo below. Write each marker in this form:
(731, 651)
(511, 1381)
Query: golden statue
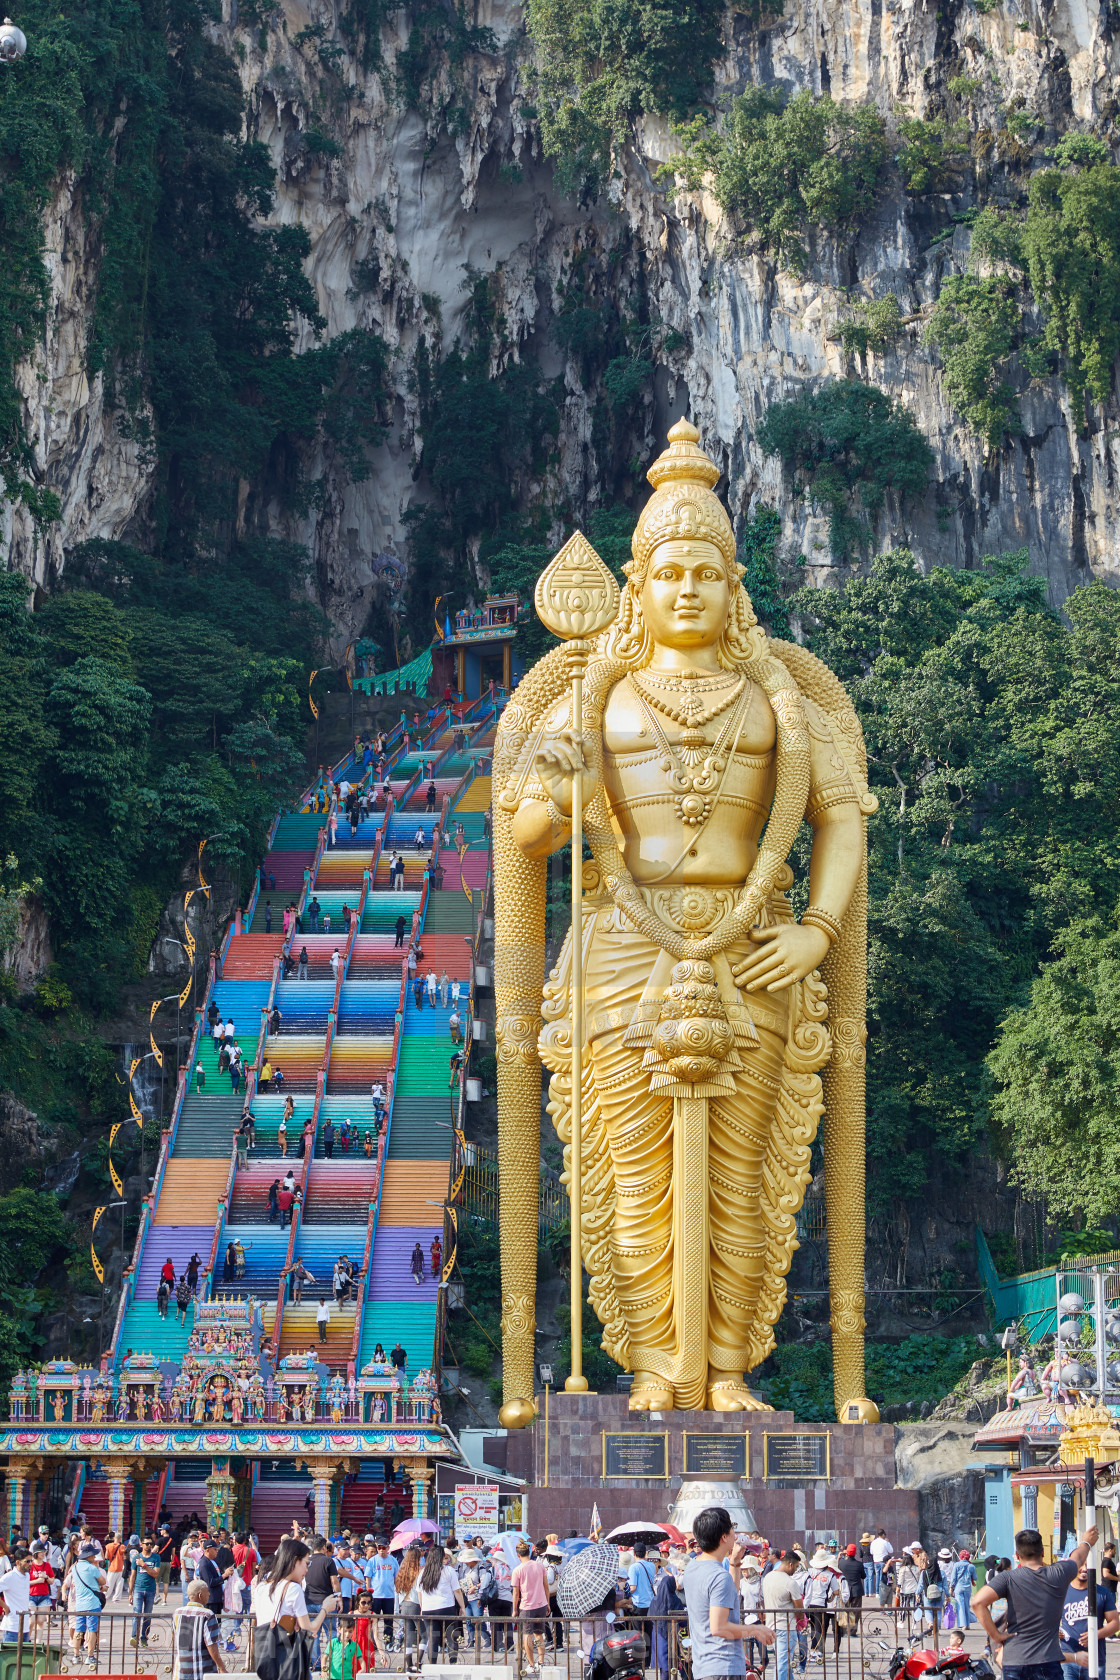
(704, 1012)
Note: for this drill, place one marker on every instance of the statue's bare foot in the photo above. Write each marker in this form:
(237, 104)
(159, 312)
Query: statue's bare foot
(650, 1394)
(730, 1394)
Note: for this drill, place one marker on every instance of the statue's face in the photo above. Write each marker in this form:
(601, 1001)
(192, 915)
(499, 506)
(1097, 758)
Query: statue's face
(685, 597)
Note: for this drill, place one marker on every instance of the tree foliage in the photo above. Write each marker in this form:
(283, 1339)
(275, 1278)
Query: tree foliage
(848, 444)
(1071, 241)
(991, 726)
(599, 65)
(974, 325)
(784, 168)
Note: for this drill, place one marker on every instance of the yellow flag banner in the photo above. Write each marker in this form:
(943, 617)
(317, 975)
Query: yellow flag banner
(203, 883)
(185, 993)
(156, 1051)
(310, 701)
(136, 1114)
(113, 1173)
(346, 665)
(99, 1270)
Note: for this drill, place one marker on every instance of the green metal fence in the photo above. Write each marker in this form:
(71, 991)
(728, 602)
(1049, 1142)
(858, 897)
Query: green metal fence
(1031, 1298)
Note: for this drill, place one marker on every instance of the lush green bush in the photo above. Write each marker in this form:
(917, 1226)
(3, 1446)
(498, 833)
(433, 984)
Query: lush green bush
(798, 1375)
(1071, 241)
(599, 64)
(871, 326)
(761, 580)
(931, 153)
(848, 441)
(974, 325)
(783, 168)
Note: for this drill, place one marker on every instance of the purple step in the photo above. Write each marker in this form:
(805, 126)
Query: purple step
(390, 1273)
(177, 1241)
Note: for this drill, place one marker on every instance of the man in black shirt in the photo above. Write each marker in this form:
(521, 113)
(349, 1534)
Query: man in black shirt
(399, 1357)
(209, 1573)
(851, 1568)
(320, 1583)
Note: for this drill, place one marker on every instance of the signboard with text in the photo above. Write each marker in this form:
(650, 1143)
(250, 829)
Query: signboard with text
(476, 1510)
(641, 1456)
(796, 1458)
(715, 1455)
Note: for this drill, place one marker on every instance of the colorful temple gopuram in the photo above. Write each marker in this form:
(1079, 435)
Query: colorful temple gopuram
(236, 1404)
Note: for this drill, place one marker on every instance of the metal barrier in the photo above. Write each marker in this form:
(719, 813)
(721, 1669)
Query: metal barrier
(838, 1644)
(479, 1194)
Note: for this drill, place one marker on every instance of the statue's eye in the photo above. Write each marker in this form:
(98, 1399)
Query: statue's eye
(710, 574)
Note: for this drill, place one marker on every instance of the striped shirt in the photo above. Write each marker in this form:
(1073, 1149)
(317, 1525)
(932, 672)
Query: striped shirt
(195, 1627)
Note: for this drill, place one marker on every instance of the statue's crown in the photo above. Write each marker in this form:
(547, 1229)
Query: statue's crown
(683, 504)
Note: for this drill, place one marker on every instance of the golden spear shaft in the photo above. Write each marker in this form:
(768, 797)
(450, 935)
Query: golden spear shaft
(576, 1382)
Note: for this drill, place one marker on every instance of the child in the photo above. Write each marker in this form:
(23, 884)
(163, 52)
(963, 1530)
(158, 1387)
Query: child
(367, 1633)
(368, 1143)
(343, 1656)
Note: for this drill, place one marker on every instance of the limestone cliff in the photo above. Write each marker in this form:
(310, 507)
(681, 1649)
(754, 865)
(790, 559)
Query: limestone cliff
(417, 198)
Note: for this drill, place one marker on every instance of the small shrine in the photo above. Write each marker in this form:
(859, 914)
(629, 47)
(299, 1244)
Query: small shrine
(140, 1390)
(380, 1392)
(476, 648)
(296, 1388)
(423, 1398)
(60, 1387)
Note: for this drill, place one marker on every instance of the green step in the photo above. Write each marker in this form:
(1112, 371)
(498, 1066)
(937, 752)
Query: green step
(206, 1126)
(422, 1069)
(412, 1323)
(472, 824)
(414, 1134)
(144, 1331)
(448, 912)
(299, 833)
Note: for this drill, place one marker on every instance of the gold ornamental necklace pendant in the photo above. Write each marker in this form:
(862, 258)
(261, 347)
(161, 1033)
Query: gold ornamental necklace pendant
(694, 791)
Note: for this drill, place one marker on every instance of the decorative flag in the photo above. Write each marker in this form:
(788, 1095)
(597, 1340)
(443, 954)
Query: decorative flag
(156, 1051)
(310, 701)
(204, 885)
(98, 1268)
(596, 1522)
(113, 1174)
(346, 665)
(136, 1114)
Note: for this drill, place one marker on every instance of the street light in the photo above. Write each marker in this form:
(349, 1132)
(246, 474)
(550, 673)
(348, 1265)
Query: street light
(13, 42)
(101, 1326)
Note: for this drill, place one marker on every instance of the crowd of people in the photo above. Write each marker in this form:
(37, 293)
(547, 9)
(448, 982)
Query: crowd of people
(721, 1604)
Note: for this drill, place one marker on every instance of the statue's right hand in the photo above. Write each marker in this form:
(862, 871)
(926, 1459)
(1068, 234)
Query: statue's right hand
(560, 757)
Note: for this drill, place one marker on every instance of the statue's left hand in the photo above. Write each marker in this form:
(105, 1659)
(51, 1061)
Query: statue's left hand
(786, 952)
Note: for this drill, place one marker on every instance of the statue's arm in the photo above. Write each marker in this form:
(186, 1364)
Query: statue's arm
(542, 822)
(536, 830)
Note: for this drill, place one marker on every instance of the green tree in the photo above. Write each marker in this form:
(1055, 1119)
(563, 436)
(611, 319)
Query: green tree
(974, 325)
(848, 444)
(1071, 241)
(783, 168)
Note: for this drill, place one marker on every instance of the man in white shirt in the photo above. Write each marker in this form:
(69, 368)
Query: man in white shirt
(783, 1603)
(323, 1318)
(881, 1550)
(334, 962)
(17, 1597)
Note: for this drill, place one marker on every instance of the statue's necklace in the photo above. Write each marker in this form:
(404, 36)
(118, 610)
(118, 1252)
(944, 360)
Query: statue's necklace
(688, 709)
(695, 786)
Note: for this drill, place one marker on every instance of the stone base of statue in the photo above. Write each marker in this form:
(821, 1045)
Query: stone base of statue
(789, 1480)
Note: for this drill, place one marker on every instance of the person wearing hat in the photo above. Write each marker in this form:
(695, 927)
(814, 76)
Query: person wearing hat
(474, 1575)
(380, 1569)
(823, 1598)
(865, 1559)
(554, 1562)
(86, 1600)
(851, 1569)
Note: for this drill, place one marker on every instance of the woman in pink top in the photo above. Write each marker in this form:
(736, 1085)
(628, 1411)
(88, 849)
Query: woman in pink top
(530, 1599)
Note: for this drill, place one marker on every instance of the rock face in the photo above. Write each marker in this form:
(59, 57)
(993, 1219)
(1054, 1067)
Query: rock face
(415, 200)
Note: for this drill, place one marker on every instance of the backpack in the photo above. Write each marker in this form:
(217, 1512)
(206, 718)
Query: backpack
(487, 1583)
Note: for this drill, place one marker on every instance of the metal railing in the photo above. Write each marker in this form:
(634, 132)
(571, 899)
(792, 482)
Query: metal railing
(479, 1193)
(843, 1644)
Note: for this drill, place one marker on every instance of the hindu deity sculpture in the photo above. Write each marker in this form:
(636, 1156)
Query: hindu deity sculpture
(709, 1011)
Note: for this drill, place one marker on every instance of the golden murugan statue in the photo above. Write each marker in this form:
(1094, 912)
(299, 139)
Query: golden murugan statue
(709, 1011)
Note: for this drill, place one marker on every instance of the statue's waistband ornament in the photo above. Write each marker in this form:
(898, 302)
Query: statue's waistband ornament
(690, 1018)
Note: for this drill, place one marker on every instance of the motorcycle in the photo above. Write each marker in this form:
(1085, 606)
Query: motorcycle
(618, 1656)
(914, 1664)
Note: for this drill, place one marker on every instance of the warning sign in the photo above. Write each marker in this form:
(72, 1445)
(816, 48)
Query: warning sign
(476, 1511)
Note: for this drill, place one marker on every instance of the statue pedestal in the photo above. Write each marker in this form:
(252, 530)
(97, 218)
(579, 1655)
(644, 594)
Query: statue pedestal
(802, 1481)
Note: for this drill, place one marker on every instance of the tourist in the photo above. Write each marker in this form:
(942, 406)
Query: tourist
(328, 1138)
(114, 1567)
(851, 1568)
(275, 1020)
(1036, 1595)
(455, 1068)
(1074, 1627)
(273, 1201)
(530, 1599)
(398, 939)
(196, 1637)
(284, 1204)
(326, 922)
(417, 1265)
(282, 1127)
(430, 797)
(881, 1550)
(436, 1255)
(783, 1604)
(665, 1610)
(456, 993)
(299, 1275)
(230, 1031)
(822, 1598)
(303, 962)
(165, 1549)
(190, 1556)
(264, 1080)
(399, 1358)
(439, 1594)
(432, 987)
(313, 912)
(711, 1594)
(145, 1574)
(335, 960)
(88, 1594)
(380, 1569)
(279, 1598)
(418, 991)
(455, 1027)
(408, 1602)
(163, 1298)
(340, 1282)
(420, 838)
(960, 1578)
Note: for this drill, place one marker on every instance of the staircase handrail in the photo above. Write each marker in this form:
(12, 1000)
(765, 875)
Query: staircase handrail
(74, 1503)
